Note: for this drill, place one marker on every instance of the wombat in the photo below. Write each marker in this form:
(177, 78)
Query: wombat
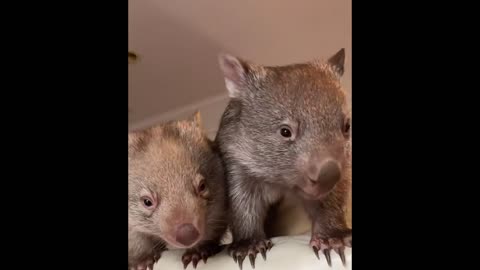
(176, 193)
(286, 130)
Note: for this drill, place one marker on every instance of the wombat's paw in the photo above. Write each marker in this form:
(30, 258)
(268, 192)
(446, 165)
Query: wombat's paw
(338, 242)
(251, 247)
(147, 264)
(201, 252)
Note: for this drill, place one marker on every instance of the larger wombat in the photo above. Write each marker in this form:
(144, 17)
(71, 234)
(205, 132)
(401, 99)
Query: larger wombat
(286, 129)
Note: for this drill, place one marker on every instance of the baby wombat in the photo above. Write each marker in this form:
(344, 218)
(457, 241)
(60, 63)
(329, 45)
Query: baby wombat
(176, 193)
(286, 129)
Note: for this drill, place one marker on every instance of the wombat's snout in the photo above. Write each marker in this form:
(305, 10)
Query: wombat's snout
(325, 174)
(186, 234)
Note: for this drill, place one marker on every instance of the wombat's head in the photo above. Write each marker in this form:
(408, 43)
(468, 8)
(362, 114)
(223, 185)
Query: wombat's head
(173, 177)
(292, 122)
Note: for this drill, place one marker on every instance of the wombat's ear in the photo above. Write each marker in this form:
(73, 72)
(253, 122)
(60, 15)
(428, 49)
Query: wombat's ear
(337, 62)
(234, 70)
(196, 118)
(133, 139)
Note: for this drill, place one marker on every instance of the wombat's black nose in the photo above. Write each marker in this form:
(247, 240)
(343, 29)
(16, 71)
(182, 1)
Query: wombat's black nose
(187, 234)
(326, 174)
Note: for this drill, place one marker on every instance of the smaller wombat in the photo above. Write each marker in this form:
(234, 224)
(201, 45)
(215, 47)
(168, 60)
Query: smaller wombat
(286, 130)
(176, 194)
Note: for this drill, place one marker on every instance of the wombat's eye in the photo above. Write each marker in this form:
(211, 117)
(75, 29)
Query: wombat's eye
(202, 187)
(148, 202)
(286, 132)
(346, 127)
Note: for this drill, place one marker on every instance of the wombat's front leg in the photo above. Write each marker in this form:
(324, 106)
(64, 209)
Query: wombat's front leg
(329, 227)
(143, 251)
(249, 206)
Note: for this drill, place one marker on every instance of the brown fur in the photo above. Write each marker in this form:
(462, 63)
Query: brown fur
(168, 162)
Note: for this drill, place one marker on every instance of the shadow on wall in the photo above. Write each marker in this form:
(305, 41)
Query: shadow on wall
(174, 60)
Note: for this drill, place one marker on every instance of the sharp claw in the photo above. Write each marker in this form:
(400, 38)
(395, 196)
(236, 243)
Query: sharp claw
(185, 264)
(264, 253)
(341, 253)
(240, 261)
(204, 258)
(194, 262)
(315, 250)
(251, 257)
(234, 258)
(269, 244)
(326, 252)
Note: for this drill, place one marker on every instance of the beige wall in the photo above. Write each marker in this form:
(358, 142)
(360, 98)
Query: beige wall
(178, 43)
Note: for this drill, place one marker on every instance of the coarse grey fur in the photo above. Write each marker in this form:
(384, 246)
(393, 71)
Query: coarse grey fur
(261, 165)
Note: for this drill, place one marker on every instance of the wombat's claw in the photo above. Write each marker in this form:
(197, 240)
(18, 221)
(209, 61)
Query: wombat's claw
(341, 252)
(204, 257)
(240, 250)
(325, 245)
(252, 257)
(326, 252)
(240, 261)
(263, 251)
(202, 252)
(315, 251)
(191, 256)
(195, 261)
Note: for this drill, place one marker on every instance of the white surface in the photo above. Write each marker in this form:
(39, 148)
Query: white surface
(287, 253)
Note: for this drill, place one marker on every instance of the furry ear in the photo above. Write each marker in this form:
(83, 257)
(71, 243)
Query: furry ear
(337, 62)
(196, 118)
(133, 140)
(234, 71)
